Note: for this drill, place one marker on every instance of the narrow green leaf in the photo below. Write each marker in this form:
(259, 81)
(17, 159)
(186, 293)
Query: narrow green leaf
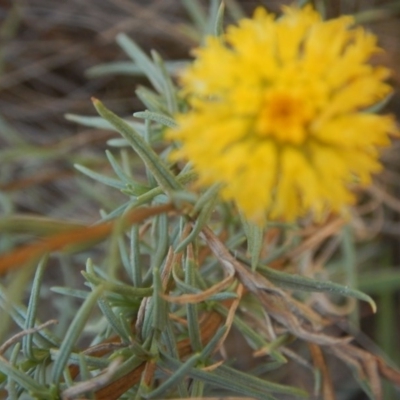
(380, 105)
(206, 205)
(194, 9)
(192, 309)
(83, 368)
(239, 382)
(135, 256)
(120, 288)
(127, 366)
(169, 339)
(73, 332)
(161, 241)
(101, 123)
(240, 378)
(255, 235)
(31, 311)
(141, 60)
(160, 305)
(100, 178)
(219, 20)
(127, 180)
(112, 319)
(20, 377)
(298, 282)
(93, 362)
(169, 90)
(80, 294)
(11, 384)
(43, 338)
(197, 389)
(114, 68)
(210, 346)
(123, 254)
(156, 117)
(118, 142)
(155, 164)
(349, 267)
(213, 8)
(177, 376)
(152, 101)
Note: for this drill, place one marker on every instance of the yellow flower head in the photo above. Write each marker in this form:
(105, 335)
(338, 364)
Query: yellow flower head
(278, 113)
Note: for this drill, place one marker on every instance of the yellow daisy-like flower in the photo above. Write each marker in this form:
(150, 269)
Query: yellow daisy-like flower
(278, 113)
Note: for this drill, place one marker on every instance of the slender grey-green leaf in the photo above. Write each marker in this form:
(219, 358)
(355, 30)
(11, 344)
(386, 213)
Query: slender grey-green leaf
(100, 178)
(73, 332)
(118, 142)
(152, 101)
(380, 105)
(31, 311)
(161, 242)
(196, 12)
(129, 68)
(11, 384)
(21, 378)
(93, 362)
(201, 221)
(80, 294)
(83, 368)
(236, 381)
(210, 346)
(112, 319)
(214, 6)
(298, 282)
(114, 68)
(169, 89)
(42, 338)
(122, 289)
(141, 60)
(197, 389)
(192, 309)
(183, 178)
(254, 234)
(101, 123)
(134, 256)
(123, 253)
(242, 378)
(160, 305)
(156, 117)
(155, 164)
(170, 340)
(218, 28)
(117, 169)
(176, 377)
(127, 366)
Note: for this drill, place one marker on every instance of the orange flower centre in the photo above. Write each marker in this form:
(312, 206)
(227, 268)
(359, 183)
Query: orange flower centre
(284, 117)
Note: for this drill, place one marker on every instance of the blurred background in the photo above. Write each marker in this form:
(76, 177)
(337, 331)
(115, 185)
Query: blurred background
(48, 50)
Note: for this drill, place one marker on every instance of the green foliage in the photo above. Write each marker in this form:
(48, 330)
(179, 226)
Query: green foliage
(159, 302)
